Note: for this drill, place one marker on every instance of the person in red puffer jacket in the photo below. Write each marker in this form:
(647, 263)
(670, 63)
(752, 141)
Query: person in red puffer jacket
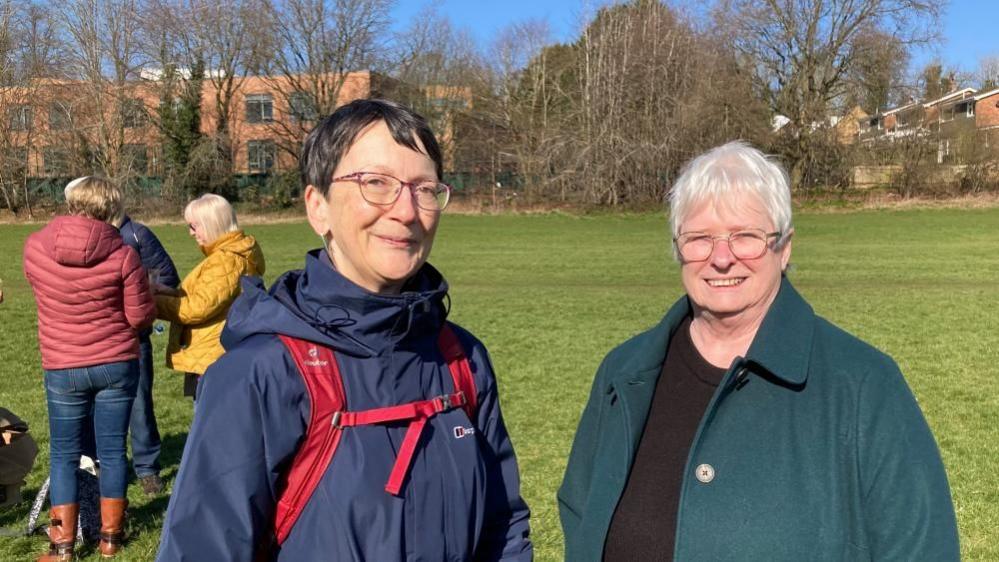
(93, 298)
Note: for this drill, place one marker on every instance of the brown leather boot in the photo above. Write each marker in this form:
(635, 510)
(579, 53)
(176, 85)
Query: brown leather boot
(62, 533)
(112, 525)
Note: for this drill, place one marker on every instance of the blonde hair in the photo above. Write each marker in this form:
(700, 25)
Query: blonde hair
(213, 214)
(95, 197)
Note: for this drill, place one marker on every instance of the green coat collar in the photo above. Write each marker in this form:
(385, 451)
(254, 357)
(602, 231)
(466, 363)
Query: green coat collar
(781, 348)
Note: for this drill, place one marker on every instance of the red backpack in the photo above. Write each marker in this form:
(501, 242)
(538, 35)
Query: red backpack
(330, 416)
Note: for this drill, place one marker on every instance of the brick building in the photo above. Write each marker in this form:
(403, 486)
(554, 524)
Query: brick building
(59, 128)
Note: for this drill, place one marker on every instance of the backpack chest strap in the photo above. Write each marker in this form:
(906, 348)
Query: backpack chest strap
(417, 413)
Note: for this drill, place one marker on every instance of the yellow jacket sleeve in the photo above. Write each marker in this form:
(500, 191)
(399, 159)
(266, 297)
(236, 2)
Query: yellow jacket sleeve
(205, 293)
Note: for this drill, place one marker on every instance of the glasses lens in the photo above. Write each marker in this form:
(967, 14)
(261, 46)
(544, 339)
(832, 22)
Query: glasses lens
(426, 196)
(748, 244)
(694, 247)
(441, 196)
(379, 189)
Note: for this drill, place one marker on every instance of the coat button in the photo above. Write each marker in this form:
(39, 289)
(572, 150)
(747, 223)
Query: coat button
(705, 473)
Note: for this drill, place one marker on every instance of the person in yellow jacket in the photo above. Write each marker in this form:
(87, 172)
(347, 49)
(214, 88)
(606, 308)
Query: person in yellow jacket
(197, 310)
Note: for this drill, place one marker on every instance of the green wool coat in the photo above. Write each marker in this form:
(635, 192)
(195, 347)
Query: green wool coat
(812, 448)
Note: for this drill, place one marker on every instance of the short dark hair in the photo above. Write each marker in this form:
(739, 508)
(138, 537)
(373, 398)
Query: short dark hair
(326, 144)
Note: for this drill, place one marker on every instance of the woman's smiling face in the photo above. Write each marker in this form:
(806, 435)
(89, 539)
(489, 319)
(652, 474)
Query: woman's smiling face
(378, 247)
(724, 286)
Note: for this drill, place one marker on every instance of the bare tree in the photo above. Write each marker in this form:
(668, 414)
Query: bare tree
(313, 45)
(525, 129)
(441, 75)
(611, 117)
(877, 80)
(988, 72)
(104, 62)
(805, 51)
(29, 51)
(225, 38)
(11, 101)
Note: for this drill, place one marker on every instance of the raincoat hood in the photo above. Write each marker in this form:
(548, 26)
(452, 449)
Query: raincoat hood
(321, 305)
(81, 241)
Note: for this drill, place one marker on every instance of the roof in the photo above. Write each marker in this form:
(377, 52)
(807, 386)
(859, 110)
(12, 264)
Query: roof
(900, 108)
(984, 95)
(950, 96)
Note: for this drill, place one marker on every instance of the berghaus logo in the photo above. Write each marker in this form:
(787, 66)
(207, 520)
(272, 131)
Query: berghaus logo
(460, 432)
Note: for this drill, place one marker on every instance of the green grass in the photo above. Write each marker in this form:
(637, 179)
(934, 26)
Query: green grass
(550, 295)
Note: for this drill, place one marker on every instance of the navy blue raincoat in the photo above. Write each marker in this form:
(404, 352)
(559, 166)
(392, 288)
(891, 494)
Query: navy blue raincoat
(153, 256)
(151, 251)
(461, 498)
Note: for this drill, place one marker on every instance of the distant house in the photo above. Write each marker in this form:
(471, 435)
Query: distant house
(847, 126)
(901, 121)
(844, 127)
(955, 121)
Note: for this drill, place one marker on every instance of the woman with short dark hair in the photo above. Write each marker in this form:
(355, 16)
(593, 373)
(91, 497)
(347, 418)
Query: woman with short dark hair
(410, 458)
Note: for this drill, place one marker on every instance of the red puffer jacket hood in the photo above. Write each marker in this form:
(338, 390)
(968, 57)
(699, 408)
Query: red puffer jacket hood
(82, 242)
(91, 291)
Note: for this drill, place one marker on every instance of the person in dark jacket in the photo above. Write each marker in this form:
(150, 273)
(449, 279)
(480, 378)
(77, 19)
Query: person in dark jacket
(744, 426)
(372, 172)
(143, 430)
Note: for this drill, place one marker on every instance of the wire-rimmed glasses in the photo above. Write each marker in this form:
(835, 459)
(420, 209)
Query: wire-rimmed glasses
(747, 244)
(383, 189)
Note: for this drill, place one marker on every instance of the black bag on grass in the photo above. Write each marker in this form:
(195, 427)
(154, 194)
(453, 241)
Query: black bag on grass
(17, 456)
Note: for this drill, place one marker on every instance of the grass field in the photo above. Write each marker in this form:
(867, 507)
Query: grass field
(550, 295)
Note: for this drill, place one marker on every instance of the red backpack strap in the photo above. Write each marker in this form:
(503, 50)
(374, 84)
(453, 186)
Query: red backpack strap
(328, 417)
(461, 371)
(321, 373)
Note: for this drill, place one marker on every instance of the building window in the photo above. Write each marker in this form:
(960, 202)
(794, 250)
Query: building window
(135, 158)
(259, 108)
(60, 118)
(302, 107)
(55, 161)
(260, 156)
(133, 114)
(19, 117)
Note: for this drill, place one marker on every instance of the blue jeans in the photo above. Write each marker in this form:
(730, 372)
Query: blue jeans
(107, 391)
(145, 435)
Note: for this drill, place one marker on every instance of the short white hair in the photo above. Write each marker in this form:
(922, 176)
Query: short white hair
(726, 172)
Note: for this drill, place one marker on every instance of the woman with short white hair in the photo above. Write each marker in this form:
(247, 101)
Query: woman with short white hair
(198, 309)
(744, 426)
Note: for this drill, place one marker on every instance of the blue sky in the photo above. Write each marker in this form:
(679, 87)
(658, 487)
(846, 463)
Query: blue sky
(970, 27)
